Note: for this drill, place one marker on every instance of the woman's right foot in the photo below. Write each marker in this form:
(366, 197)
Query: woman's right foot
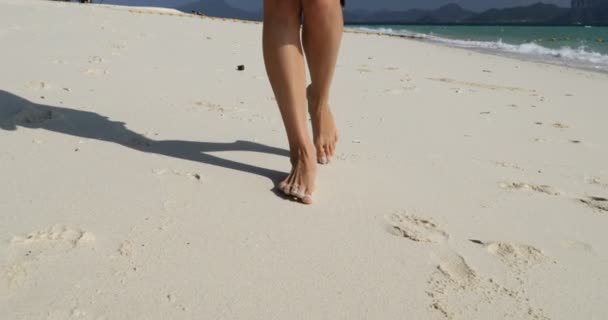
(301, 181)
(325, 133)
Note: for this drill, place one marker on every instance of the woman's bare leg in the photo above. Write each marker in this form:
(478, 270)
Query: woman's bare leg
(323, 26)
(285, 67)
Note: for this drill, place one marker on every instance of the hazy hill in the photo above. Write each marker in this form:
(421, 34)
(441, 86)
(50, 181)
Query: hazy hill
(539, 13)
(450, 13)
(536, 13)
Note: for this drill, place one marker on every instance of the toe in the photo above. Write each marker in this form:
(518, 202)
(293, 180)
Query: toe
(321, 155)
(294, 190)
(285, 186)
(294, 183)
(300, 194)
(306, 199)
(329, 152)
(286, 189)
(282, 185)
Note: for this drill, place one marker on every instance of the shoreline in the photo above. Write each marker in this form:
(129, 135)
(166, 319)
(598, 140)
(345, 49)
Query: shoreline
(551, 59)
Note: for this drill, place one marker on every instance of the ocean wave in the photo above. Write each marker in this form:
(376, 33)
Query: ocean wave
(391, 31)
(582, 54)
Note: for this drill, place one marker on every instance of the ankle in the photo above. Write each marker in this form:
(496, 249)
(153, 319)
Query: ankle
(303, 150)
(318, 108)
(316, 101)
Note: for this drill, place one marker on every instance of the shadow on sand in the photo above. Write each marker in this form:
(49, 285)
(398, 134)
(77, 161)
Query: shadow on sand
(16, 111)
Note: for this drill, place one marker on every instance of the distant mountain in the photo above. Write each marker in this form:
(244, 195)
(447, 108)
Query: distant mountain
(450, 13)
(219, 8)
(533, 14)
(539, 13)
(384, 16)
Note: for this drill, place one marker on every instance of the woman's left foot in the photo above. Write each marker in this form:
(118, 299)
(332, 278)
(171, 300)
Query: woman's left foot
(301, 181)
(325, 133)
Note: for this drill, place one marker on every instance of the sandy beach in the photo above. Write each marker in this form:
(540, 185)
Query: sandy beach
(138, 170)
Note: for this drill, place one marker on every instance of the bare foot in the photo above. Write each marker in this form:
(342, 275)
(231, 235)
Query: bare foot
(301, 181)
(323, 127)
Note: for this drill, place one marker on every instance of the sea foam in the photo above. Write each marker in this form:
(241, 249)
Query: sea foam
(579, 56)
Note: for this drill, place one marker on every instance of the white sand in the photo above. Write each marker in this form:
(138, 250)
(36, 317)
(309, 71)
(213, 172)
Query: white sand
(125, 196)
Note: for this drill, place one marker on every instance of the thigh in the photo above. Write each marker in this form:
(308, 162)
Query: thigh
(285, 8)
(313, 6)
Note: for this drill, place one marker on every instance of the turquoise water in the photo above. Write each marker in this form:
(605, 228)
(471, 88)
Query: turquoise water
(573, 45)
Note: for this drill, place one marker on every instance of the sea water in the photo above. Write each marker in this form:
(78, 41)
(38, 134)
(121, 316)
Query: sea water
(577, 46)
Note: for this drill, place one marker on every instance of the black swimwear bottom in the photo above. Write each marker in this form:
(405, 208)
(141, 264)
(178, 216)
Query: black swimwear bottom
(342, 2)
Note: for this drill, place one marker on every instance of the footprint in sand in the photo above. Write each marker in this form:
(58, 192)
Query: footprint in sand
(26, 248)
(521, 186)
(577, 246)
(539, 97)
(455, 289)
(125, 248)
(458, 292)
(174, 172)
(518, 257)
(506, 164)
(143, 237)
(56, 236)
(119, 46)
(12, 277)
(94, 72)
(212, 107)
(597, 181)
(415, 228)
(599, 204)
(540, 140)
(401, 90)
(96, 60)
(38, 85)
(560, 125)
(452, 275)
(454, 268)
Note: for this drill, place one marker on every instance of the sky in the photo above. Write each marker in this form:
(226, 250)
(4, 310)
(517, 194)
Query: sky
(476, 5)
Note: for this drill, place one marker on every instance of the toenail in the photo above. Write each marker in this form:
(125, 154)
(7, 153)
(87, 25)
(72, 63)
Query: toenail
(286, 189)
(307, 199)
(294, 189)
